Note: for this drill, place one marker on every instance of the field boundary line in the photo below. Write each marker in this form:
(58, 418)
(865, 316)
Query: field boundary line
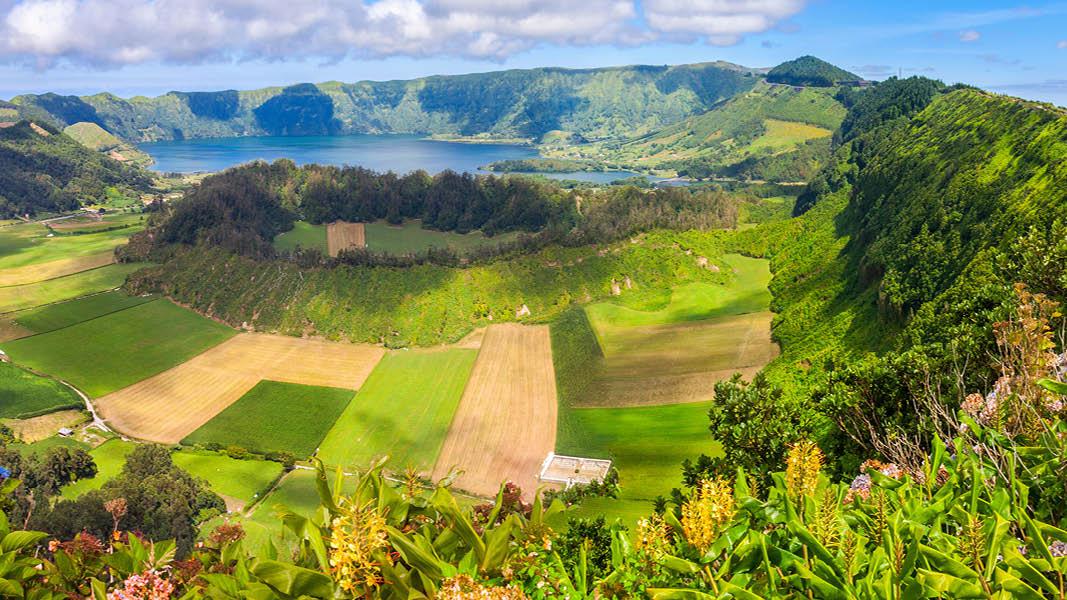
(14, 285)
(86, 320)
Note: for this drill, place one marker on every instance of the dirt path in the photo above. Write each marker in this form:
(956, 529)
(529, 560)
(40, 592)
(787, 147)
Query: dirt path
(505, 425)
(341, 235)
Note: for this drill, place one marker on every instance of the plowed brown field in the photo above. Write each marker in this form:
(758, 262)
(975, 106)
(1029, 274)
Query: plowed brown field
(505, 425)
(169, 406)
(342, 236)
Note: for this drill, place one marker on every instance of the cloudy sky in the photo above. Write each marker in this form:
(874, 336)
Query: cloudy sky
(148, 47)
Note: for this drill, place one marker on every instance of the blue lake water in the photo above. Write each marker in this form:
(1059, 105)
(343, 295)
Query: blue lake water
(397, 153)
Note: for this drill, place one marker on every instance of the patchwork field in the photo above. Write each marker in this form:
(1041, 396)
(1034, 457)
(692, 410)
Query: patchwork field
(71, 312)
(111, 352)
(29, 243)
(505, 425)
(239, 482)
(402, 411)
(704, 334)
(23, 394)
(22, 297)
(52, 269)
(171, 405)
(343, 236)
(275, 417)
(109, 458)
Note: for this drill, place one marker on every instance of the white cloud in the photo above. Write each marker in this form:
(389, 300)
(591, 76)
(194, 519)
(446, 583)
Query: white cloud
(970, 36)
(1061, 44)
(112, 33)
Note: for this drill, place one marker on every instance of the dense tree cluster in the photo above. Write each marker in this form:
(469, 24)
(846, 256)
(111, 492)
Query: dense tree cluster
(809, 70)
(244, 208)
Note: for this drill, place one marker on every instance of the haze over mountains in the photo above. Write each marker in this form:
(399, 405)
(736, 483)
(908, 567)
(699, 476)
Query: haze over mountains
(590, 104)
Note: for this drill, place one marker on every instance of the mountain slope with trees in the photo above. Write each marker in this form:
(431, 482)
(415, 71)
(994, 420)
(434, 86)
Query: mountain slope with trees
(527, 104)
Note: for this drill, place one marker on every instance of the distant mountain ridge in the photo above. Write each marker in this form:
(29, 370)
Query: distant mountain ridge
(602, 103)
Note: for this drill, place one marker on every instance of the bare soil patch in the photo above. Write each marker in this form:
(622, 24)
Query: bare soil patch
(55, 268)
(505, 425)
(341, 235)
(169, 406)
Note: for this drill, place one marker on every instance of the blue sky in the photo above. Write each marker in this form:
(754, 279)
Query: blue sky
(122, 46)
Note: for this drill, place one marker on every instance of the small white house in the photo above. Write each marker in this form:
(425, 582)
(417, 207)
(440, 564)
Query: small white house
(66, 432)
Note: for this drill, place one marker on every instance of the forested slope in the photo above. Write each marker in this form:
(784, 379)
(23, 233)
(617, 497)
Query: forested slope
(908, 248)
(590, 103)
(44, 170)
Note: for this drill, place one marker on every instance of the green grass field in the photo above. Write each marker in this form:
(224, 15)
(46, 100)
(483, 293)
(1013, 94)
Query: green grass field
(303, 235)
(403, 410)
(109, 458)
(122, 348)
(746, 293)
(31, 295)
(275, 417)
(244, 480)
(24, 395)
(64, 314)
(29, 244)
(411, 237)
(47, 444)
(647, 445)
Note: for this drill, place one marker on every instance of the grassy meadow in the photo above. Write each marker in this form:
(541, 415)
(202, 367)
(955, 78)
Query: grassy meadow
(275, 417)
(243, 480)
(113, 351)
(403, 410)
(410, 238)
(32, 243)
(302, 235)
(23, 394)
(70, 312)
(32, 295)
(109, 458)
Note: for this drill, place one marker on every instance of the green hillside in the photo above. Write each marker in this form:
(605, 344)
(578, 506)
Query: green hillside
(590, 103)
(95, 137)
(43, 170)
(767, 121)
(809, 71)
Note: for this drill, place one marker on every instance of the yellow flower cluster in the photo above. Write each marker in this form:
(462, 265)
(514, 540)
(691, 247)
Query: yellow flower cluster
(653, 536)
(355, 536)
(463, 587)
(802, 467)
(710, 508)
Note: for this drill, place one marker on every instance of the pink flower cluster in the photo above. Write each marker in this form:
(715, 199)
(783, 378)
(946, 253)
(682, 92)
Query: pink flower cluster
(143, 586)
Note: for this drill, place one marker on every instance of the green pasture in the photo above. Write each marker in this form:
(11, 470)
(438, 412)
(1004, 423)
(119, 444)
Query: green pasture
(275, 417)
(109, 458)
(23, 394)
(243, 479)
(31, 295)
(403, 410)
(116, 350)
(410, 238)
(47, 444)
(29, 243)
(745, 292)
(303, 235)
(647, 445)
(64, 314)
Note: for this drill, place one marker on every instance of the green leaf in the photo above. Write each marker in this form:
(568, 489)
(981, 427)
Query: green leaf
(292, 580)
(1058, 387)
(943, 583)
(19, 540)
(677, 594)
